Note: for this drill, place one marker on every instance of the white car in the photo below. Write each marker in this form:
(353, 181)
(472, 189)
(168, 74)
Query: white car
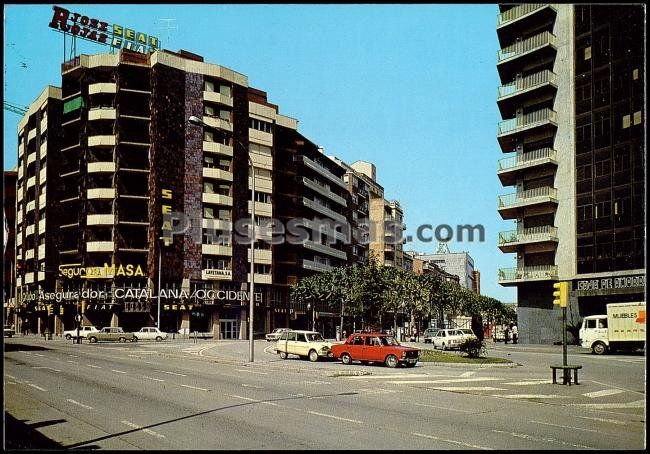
(275, 334)
(305, 344)
(150, 333)
(468, 333)
(446, 339)
(83, 332)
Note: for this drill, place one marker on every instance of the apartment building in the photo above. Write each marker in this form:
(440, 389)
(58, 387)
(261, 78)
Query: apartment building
(9, 255)
(135, 194)
(458, 264)
(571, 98)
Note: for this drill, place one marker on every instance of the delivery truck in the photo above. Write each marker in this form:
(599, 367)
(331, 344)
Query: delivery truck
(623, 328)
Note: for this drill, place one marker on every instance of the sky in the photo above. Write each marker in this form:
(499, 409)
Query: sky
(411, 88)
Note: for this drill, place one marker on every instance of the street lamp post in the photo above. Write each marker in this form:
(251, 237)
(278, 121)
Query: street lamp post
(160, 243)
(251, 354)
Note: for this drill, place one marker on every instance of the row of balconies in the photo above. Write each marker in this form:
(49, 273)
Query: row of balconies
(518, 12)
(509, 204)
(323, 210)
(514, 276)
(323, 171)
(324, 191)
(510, 241)
(525, 46)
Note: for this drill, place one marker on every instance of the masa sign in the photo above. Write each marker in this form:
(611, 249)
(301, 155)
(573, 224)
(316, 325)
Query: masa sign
(99, 31)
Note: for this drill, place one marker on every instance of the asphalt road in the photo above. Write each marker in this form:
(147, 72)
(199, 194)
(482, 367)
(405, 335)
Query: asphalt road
(206, 395)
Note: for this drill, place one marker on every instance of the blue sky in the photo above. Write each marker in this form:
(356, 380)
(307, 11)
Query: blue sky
(411, 88)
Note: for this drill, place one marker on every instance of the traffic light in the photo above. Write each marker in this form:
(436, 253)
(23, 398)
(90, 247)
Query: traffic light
(83, 307)
(61, 310)
(49, 309)
(561, 294)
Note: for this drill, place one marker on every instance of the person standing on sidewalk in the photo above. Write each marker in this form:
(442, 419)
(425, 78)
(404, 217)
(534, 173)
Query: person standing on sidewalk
(515, 334)
(506, 335)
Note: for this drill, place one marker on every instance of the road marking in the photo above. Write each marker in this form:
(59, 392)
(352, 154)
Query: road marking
(376, 391)
(610, 421)
(37, 387)
(334, 417)
(617, 387)
(12, 377)
(87, 407)
(564, 426)
(547, 440)
(532, 396)
(530, 382)
(452, 380)
(151, 378)
(74, 362)
(635, 404)
(195, 387)
(252, 372)
(467, 374)
(467, 388)
(118, 371)
(604, 392)
(95, 367)
(38, 354)
(451, 441)
(437, 406)
(147, 431)
(242, 397)
(245, 385)
(363, 377)
(317, 382)
(170, 373)
(45, 367)
(135, 356)
(11, 383)
(74, 356)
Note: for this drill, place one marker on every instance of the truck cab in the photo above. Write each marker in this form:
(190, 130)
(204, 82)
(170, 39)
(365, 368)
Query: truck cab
(593, 334)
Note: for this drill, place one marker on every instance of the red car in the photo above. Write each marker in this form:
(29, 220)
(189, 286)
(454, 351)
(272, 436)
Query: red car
(375, 347)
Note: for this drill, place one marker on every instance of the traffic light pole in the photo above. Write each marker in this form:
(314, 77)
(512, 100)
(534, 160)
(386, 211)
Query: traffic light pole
(565, 378)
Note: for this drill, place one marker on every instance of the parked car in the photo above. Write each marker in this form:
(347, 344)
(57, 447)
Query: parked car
(428, 334)
(150, 333)
(83, 332)
(375, 347)
(8, 331)
(305, 344)
(448, 339)
(274, 335)
(498, 334)
(468, 333)
(112, 333)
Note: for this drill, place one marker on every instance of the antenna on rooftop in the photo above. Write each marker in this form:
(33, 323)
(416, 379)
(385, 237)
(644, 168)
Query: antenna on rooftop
(168, 27)
(443, 248)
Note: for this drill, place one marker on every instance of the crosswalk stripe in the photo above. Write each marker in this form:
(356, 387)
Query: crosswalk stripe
(467, 388)
(531, 382)
(604, 392)
(635, 404)
(532, 396)
(447, 380)
(364, 377)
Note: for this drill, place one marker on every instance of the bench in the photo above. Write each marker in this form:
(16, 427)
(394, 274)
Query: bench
(566, 377)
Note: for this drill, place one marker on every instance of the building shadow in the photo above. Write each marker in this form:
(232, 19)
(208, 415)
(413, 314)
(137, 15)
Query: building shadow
(23, 347)
(22, 436)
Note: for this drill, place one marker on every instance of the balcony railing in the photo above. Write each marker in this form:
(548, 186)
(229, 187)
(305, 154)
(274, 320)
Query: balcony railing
(323, 210)
(527, 197)
(315, 266)
(527, 159)
(528, 273)
(526, 83)
(521, 47)
(529, 235)
(526, 121)
(518, 12)
(323, 190)
(323, 171)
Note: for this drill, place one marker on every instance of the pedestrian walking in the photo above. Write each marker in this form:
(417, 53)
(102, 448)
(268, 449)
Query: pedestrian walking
(506, 336)
(515, 334)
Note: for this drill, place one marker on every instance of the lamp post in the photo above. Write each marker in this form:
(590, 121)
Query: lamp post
(160, 243)
(251, 354)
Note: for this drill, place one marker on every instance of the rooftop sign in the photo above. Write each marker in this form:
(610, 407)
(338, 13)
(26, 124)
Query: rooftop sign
(92, 29)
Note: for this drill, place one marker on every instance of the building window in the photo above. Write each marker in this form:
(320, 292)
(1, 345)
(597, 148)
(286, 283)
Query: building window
(261, 125)
(603, 209)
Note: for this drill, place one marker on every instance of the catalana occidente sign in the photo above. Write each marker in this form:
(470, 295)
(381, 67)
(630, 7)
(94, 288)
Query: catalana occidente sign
(99, 31)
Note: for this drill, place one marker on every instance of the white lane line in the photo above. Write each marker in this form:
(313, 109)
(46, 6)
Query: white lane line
(604, 392)
(334, 417)
(437, 406)
(242, 397)
(87, 407)
(609, 421)
(118, 371)
(170, 373)
(564, 426)
(195, 387)
(38, 354)
(530, 382)
(451, 441)
(635, 404)
(453, 380)
(467, 388)
(11, 376)
(74, 356)
(467, 374)
(252, 372)
(617, 387)
(547, 440)
(316, 382)
(135, 356)
(245, 385)
(11, 383)
(151, 378)
(37, 387)
(147, 431)
(45, 367)
(95, 367)
(533, 396)
(365, 377)
(74, 362)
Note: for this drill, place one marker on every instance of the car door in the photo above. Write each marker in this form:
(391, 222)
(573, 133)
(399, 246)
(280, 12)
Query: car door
(302, 346)
(439, 339)
(355, 348)
(372, 349)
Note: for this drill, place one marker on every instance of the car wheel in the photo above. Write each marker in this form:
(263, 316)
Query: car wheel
(443, 348)
(134, 339)
(283, 355)
(92, 339)
(68, 337)
(391, 361)
(122, 339)
(346, 358)
(599, 348)
(313, 356)
(158, 338)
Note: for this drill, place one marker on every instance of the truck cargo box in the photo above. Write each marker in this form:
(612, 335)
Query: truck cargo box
(626, 321)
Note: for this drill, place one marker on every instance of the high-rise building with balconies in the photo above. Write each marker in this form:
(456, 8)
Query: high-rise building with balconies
(572, 99)
(104, 161)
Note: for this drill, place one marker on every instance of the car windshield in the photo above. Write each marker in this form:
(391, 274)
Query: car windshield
(467, 331)
(389, 340)
(314, 337)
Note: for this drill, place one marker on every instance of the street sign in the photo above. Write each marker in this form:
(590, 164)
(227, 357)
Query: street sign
(77, 317)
